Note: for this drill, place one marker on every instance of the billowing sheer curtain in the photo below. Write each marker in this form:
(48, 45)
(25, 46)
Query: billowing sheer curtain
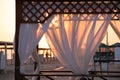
(28, 39)
(74, 40)
(29, 36)
(116, 27)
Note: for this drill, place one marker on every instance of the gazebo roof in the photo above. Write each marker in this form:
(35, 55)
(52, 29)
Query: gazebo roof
(34, 11)
(115, 45)
(102, 45)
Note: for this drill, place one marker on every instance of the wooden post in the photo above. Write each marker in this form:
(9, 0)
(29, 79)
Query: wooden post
(5, 57)
(17, 60)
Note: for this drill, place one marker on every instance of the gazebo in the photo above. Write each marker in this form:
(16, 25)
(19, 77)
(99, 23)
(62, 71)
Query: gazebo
(40, 13)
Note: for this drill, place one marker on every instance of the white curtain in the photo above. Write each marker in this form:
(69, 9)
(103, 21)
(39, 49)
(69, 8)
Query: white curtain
(74, 40)
(115, 24)
(29, 36)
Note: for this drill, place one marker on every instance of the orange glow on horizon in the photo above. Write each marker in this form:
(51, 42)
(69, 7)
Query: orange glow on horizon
(112, 37)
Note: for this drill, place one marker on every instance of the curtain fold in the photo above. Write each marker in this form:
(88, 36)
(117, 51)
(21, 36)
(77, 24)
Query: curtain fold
(74, 41)
(29, 36)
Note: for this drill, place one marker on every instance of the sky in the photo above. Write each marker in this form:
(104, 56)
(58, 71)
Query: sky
(112, 37)
(7, 24)
(7, 20)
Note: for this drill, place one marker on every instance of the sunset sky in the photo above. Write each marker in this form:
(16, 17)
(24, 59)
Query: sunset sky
(7, 24)
(7, 20)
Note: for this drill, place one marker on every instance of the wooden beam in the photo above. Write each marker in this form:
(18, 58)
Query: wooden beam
(18, 20)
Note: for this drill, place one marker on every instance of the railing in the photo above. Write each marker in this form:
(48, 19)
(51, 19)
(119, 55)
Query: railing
(46, 56)
(104, 57)
(90, 76)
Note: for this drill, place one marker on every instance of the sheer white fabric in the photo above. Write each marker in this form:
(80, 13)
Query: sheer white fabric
(74, 42)
(36, 58)
(116, 27)
(29, 36)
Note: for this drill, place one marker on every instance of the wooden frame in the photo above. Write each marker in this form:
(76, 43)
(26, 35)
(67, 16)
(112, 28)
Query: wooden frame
(34, 11)
(39, 11)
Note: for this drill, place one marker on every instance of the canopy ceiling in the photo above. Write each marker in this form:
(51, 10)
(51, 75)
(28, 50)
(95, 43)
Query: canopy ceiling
(39, 11)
